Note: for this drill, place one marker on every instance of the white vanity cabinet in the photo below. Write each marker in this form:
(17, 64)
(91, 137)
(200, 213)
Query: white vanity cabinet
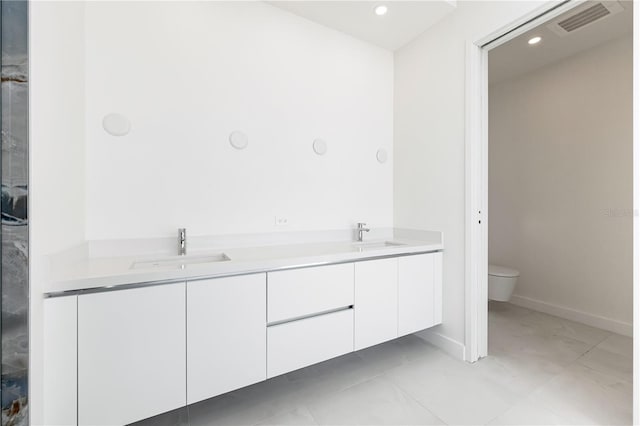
(131, 354)
(226, 335)
(419, 292)
(118, 356)
(376, 302)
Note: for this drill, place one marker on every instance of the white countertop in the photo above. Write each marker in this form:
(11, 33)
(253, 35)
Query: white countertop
(97, 274)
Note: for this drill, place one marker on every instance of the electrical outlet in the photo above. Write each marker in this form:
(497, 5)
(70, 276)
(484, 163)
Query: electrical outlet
(281, 222)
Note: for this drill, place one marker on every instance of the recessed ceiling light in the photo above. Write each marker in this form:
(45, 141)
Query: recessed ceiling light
(535, 40)
(380, 10)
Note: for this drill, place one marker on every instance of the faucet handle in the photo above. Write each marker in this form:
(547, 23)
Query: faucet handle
(361, 224)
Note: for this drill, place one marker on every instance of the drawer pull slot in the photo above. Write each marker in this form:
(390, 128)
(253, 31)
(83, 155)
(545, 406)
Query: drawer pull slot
(315, 314)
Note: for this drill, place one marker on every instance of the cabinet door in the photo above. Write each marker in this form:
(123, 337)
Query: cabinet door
(419, 295)
(304, 342)
(437, 288)
(376, 302)
(226, 335)
(60, 361)
(301, 292)
(131, 354)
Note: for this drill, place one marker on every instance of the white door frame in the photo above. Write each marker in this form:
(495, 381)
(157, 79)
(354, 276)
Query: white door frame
(476, 180)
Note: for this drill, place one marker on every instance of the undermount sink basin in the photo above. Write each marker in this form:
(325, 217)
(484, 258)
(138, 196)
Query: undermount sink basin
(376, 245)
(180, 262)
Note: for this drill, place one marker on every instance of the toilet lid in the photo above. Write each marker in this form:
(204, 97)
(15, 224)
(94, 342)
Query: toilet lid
(503, 271)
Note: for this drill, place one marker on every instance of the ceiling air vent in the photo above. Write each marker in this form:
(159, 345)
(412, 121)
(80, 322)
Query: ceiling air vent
(584, 16)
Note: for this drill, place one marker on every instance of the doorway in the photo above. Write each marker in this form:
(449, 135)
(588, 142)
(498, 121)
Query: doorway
(477, 180)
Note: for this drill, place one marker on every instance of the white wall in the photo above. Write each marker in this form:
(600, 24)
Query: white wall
(56, 142)
(560, 182)
(187, 74)
(429, 128)
(56, 156)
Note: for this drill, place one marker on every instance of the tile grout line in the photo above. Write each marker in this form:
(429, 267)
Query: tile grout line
(602, 373)
(265, 419)
(411, 397)
(313, 416)
(564, 369)
(575, 361)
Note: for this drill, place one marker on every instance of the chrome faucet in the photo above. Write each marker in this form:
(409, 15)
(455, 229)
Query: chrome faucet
(182, 241)
(361, 229)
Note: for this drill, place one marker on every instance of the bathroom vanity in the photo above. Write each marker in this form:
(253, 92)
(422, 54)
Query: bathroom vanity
(121, 348)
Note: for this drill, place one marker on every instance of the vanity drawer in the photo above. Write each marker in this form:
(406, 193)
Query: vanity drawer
(304, 342)
(302, 292)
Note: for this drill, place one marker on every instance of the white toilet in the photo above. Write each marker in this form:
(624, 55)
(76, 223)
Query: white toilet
(502, 282)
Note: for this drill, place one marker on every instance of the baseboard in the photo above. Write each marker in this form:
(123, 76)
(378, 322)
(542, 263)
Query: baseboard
(447, 344)
(609, 324)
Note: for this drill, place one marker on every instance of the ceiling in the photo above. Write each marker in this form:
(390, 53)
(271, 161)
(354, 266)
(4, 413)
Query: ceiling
(517, 57)
(404, 21)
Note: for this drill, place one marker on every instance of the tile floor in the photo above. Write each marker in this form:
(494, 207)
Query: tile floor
(541, 370)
